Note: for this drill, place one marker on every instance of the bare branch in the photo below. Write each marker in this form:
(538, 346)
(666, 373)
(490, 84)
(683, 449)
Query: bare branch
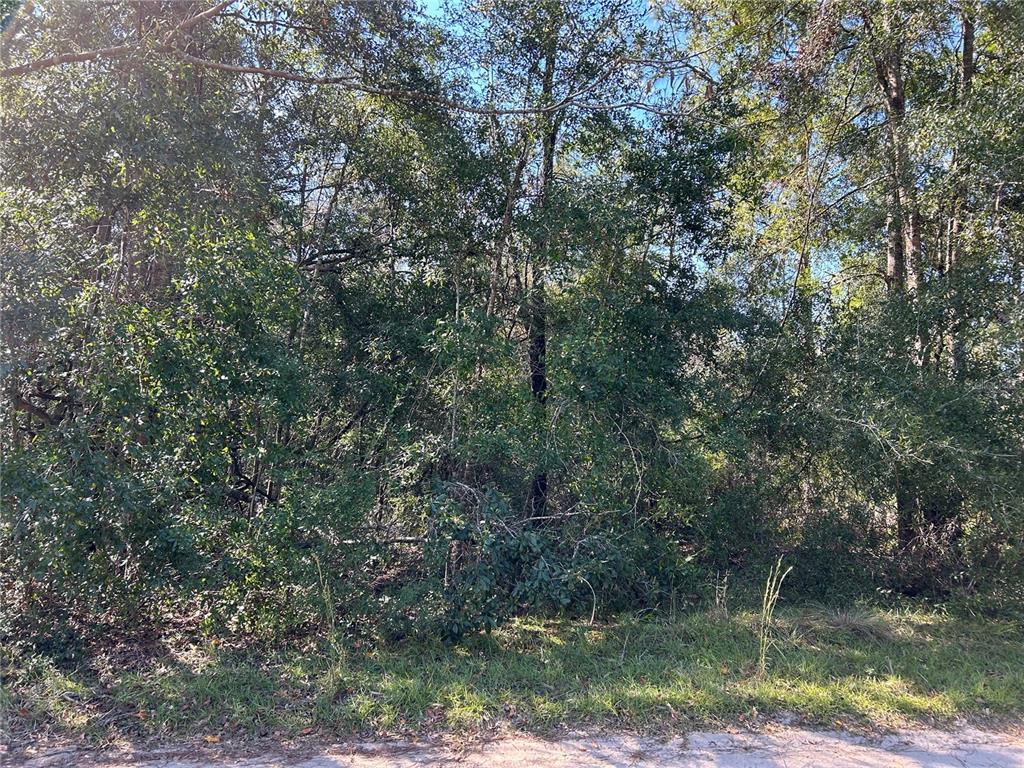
(394, 93)
(113, 52)
(17, 21)
(209, 13)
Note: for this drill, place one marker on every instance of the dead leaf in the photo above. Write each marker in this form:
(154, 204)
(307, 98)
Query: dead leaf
(306, 731)
(212, 738)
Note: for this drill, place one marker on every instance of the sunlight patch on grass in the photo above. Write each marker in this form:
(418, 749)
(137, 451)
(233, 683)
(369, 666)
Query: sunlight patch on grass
(869, 665)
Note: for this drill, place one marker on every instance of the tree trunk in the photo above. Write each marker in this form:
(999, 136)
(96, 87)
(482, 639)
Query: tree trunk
(537, 310)
(803, 294)
(903, 235)
(956, 350)
(896, 264)
(903, 218)
(514, 192)
(906, 512)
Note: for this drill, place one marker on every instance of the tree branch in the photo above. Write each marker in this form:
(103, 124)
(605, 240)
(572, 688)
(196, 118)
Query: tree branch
(18, 17)
(113, 52)
(394, 93)
(209, 13)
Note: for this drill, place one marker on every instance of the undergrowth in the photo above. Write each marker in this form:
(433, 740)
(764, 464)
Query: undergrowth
(857, 665)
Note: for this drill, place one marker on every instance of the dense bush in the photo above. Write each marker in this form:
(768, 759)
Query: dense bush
(381, 355)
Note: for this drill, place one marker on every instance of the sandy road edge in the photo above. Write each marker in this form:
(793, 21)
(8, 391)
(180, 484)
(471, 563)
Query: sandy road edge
(793, 747)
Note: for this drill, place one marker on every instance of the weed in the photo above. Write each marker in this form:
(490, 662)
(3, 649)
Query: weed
(720, 585)
(770, 598)
(642, 673)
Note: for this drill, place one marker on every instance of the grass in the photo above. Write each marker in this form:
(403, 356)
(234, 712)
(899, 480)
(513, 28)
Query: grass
(862, 666)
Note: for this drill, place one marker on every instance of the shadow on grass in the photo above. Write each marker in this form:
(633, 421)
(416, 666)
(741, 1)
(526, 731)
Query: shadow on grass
(651, 676)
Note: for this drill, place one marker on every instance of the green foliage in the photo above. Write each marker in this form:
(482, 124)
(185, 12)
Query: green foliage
(341, 317)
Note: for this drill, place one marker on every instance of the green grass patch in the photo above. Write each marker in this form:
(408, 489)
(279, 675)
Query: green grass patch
(867, 666)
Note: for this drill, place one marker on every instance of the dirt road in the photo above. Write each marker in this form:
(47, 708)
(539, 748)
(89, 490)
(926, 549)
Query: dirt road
(784, 748)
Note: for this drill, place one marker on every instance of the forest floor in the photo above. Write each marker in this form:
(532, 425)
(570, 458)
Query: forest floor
(862, 669)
